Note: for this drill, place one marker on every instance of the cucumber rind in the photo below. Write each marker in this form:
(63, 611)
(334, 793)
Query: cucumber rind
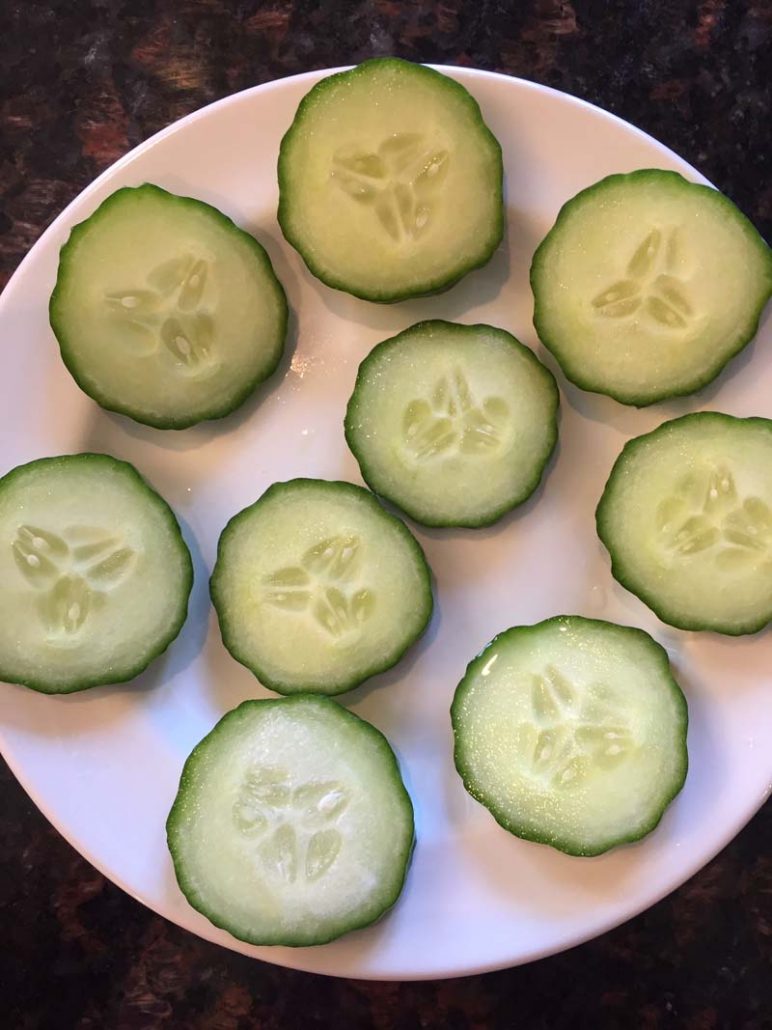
(568, 845)
(413, 512)
(41, 686)
(176, 818)
(618, 568)
(68, 351)
(220, 602)
(432, 286)
(573, 372)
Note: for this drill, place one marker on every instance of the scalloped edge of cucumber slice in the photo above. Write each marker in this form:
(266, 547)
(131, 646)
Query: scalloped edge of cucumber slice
(176, 816)
(411, 512)
(644, 398)
(166, 511)
(67, 350)
(567, 846)
(421, 563)
(658, 606)
(437, 285)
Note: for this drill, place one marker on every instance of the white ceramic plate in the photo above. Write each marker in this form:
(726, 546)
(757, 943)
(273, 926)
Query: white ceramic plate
(103, 765)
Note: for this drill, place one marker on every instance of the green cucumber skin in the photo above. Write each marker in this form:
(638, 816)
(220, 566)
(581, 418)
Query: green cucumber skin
(40, 685)
(574, 375)
(417, 516)
(617, 566)
(67, 351)
(336, 485)
(432, 286)
(567, 846)
(176, 816)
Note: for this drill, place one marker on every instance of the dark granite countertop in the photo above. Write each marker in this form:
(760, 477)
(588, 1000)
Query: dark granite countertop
(83, 81)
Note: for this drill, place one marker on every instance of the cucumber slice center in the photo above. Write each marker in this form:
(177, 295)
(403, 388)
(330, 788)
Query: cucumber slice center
(568, 733)
(292, 823)
(171, 314)
(400, 180)
(652, 288)
(452, 422)
(705, 516)
(326, 586)
(72, 573)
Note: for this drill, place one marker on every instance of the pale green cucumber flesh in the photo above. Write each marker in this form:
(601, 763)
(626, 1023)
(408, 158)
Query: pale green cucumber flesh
(291, 825)
(572, 732)
(317, 587)
(390, 181)
(647, 285)
(453, 423)
(95, 573)
(165, 310)
(686, 516)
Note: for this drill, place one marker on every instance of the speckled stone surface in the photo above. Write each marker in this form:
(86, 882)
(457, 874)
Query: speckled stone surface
(80, 84)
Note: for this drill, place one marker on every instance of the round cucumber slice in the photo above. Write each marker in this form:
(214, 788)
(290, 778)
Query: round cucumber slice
(453, 423)
(291, 825)
(572, 733)
(686, 516)
(165, 310)
(95, 574)
(390, 182)
(647, 285)
(317, 587)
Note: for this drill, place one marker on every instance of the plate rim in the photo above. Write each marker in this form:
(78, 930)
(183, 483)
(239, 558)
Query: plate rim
(312, 77)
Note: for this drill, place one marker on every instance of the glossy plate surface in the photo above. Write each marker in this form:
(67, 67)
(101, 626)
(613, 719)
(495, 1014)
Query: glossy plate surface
(104, 765)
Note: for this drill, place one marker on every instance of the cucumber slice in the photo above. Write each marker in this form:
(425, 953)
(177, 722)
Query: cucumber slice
(647, 285)
(95, 574)
(317, 587)
(291, 825)
(572, 732)
(687, 519)
(390, 181)
(453, 423)
(165, 310)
